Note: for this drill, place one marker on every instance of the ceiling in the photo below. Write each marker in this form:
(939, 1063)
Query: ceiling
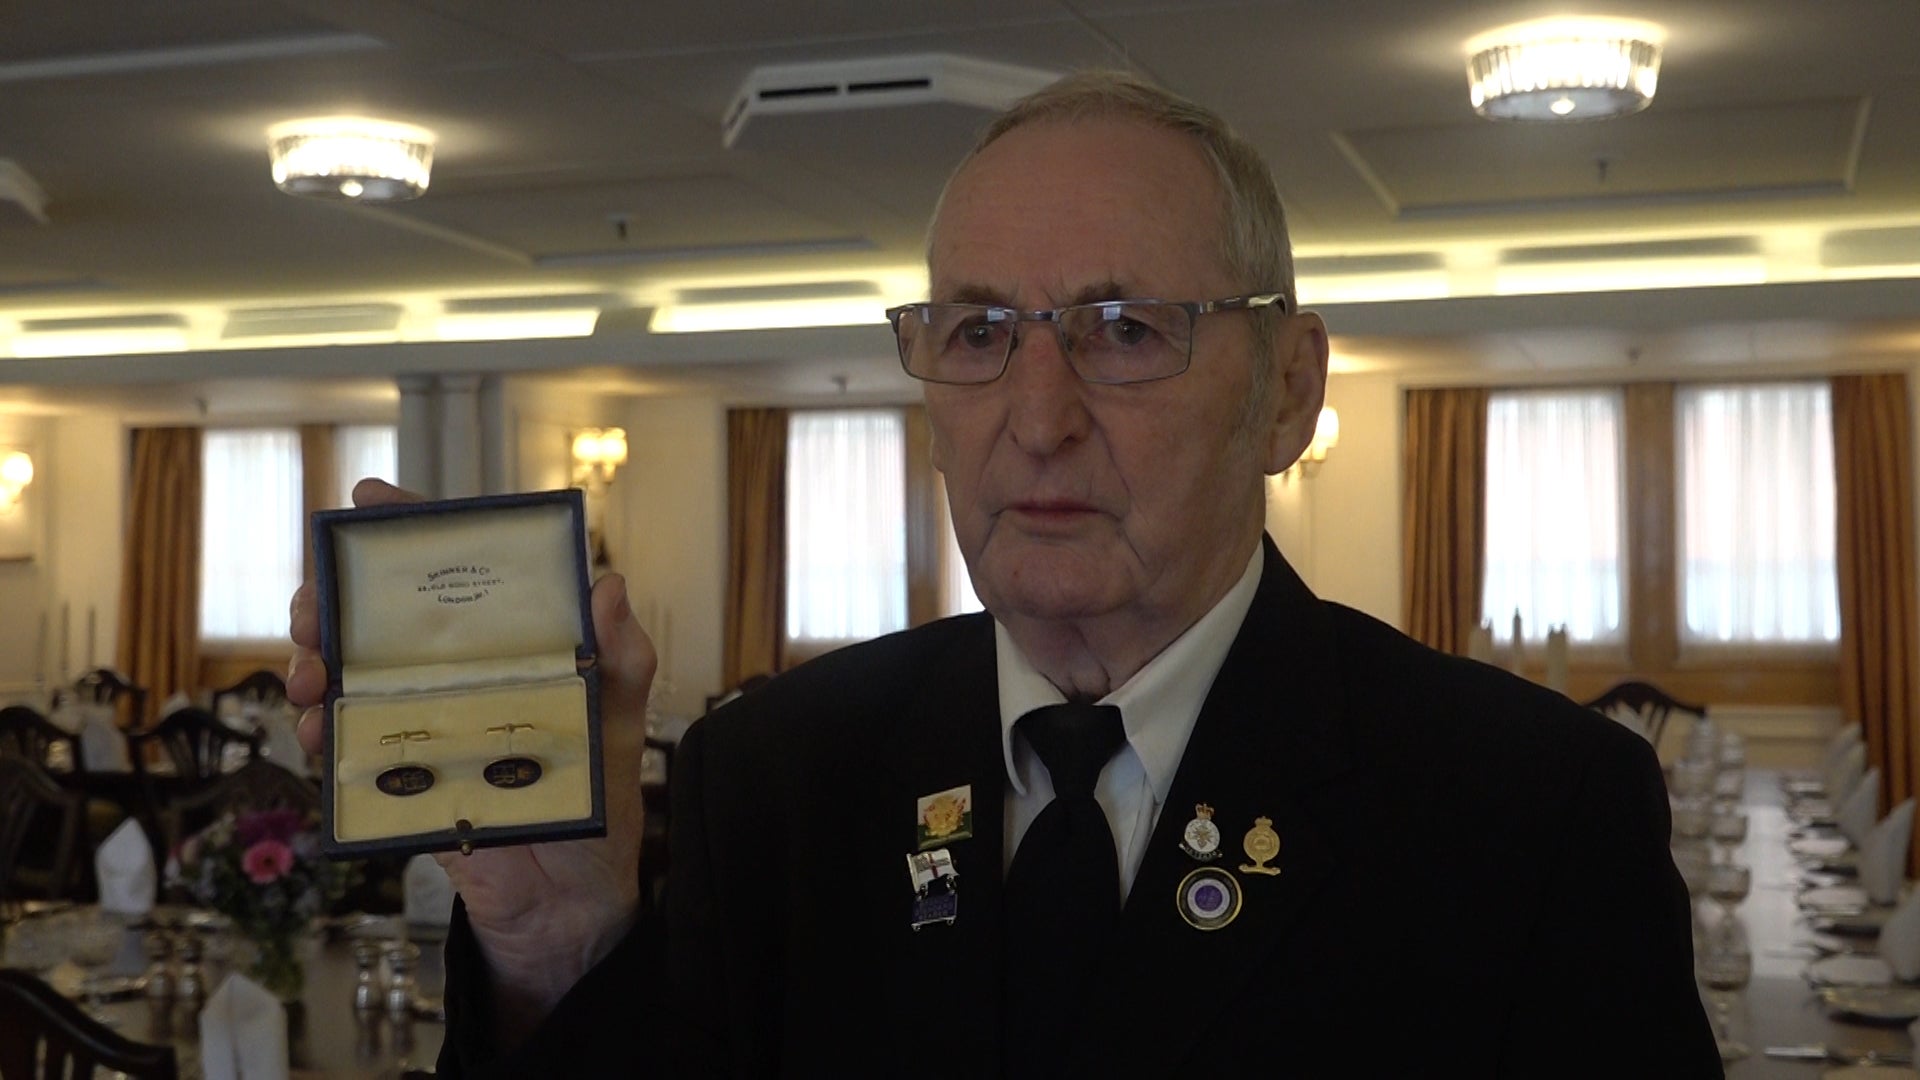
(581, 154)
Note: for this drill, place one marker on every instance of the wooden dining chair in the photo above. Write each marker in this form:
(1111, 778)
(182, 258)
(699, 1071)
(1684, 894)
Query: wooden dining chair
(105, 686)
(257, 785)
(194, 740)
(40, 835)
(264, 687)
(1651, 704)
(27, 734)
(43, 1036)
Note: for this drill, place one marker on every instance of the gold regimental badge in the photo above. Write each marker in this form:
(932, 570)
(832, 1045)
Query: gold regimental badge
(1201, 839)
(1262, 845)
(944, 817)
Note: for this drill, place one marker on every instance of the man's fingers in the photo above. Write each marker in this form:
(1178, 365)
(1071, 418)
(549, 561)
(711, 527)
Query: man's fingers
(309, 729)
(627, 659)
(303, 617)
(374, 492)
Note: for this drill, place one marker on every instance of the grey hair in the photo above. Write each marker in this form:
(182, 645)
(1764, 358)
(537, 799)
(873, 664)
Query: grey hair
(1255, 248)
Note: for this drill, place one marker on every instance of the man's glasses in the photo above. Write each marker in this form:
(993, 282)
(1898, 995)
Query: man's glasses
(1111, 341)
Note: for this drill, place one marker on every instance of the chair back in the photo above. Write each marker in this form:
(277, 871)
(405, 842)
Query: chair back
(1652, 705)
(34, 808)
(257, 785)
(262, 687)
(27, 734)
(43, 1035)
(194, 740)
(105, 686)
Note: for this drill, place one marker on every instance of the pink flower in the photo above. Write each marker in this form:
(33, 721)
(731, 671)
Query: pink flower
(265, 861)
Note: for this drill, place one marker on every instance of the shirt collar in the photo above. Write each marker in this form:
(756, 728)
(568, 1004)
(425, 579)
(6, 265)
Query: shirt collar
(1159, 705)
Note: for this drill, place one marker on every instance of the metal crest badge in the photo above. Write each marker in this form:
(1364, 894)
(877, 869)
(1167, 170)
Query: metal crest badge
(1262, 845)
(944, 816)
(936, 887)
(1209, 898)
(1201, 838)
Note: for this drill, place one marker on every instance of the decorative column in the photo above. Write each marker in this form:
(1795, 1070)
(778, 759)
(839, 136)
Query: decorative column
(459, 436)
(418, 436)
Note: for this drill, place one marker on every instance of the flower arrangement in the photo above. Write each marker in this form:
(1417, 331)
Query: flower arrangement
(263, 869)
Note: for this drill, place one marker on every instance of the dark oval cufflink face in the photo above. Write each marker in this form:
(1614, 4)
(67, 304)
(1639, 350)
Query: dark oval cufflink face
(404, 780)
(513, 772)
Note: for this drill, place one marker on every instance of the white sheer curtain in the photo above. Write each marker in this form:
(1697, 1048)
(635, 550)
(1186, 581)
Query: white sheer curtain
(956, 586)
(1756, 531)
(1554, 522)
(250, 533)
(846, 525)
(363, 450)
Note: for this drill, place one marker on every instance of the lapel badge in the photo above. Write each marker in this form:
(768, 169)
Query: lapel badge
(1201, 840)
(944, 816)
(1262, 845)
(1209, 898)
(936, 887)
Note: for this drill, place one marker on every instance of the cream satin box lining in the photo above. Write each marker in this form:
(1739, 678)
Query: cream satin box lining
(446, 623)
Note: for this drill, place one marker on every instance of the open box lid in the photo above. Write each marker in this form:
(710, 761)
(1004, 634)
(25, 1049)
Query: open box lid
(458, 621)
(420, 596)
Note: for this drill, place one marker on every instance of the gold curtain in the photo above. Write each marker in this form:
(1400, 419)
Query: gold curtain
(756, 544)
(318, 484)
(1873, 485)
(926, 519)
(1444, 514)
(159, 644)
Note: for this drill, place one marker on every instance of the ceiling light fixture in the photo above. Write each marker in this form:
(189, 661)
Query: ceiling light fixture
(350, 157)
(1564, 69)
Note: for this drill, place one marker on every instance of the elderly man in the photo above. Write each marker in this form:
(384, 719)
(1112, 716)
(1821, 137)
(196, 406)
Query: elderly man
(1164, 813)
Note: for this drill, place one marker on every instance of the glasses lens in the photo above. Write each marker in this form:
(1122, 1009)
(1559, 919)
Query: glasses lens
(1126, 342)
(955, 343)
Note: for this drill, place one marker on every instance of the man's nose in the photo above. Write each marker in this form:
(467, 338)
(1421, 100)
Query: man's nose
(1048, 408)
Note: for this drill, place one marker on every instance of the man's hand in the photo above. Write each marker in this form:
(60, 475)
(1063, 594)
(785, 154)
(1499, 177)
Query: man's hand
(544, 913)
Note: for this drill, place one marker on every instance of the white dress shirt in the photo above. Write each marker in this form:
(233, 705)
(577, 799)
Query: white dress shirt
(1158, 707)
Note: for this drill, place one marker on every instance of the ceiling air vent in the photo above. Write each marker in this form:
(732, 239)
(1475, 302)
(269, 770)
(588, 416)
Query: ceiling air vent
(20, 195)
(877, 82)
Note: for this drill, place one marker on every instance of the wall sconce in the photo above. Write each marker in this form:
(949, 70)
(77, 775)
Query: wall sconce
(16, 472)
(597, 453)
(1326, 436)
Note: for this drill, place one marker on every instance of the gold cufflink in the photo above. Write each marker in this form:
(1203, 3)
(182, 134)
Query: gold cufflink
(512, 770)
(403, 779)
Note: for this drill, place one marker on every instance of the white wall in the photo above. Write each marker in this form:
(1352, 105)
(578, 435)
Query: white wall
(1340, 525)
(673, 543)
(24, 573)
(77, 502)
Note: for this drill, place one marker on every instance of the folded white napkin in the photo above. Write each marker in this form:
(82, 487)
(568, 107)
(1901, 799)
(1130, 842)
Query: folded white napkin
(102, 746)
(1883, 858)
(68, 719)
(1900, 939)
(174, 704)
(1857, 812)
(1845, 772)
(280, 745)
(429, 892)
(243, 1033)
(124, 867)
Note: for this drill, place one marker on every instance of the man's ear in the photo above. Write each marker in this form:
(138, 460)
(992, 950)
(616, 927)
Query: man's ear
(1300, 347)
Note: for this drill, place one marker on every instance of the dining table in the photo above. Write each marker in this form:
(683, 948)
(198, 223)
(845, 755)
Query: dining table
(1779, 1007)
(328, 1035)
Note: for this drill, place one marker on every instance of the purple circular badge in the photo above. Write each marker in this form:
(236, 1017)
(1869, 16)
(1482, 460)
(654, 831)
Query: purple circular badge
(1209, 898)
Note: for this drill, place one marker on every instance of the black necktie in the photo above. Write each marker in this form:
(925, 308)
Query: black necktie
(1063, 892)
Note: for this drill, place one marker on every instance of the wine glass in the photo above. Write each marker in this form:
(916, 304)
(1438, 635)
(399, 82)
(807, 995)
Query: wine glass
(1724, 967)
(93, 939)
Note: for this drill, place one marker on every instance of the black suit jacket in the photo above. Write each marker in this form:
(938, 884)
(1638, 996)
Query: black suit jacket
(1475, 878)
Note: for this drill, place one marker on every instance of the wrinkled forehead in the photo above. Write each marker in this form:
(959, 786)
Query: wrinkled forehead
(1062, 206)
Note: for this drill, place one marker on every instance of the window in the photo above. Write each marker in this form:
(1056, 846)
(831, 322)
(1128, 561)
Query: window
(360, 451)
(956, 586)
(1553, 513)
(846, 525)
(1756, 514)
(253, 520)
(250, 533)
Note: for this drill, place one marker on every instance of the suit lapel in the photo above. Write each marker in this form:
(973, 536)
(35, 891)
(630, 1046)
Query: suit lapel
(947, 978)
(1266, 744)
